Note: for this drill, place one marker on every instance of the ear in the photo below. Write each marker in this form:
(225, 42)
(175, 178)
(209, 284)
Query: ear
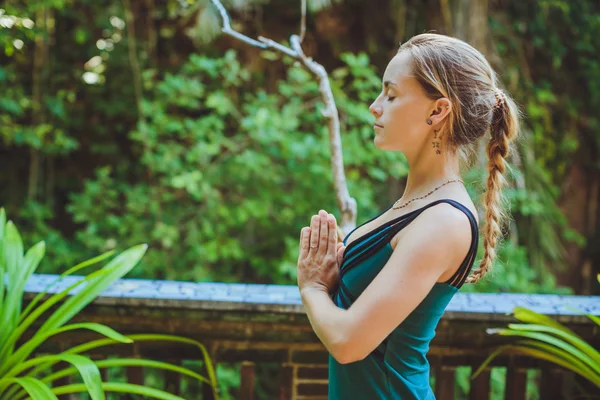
(440, 109)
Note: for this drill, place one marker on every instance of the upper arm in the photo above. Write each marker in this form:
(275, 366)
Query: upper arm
(437, 240)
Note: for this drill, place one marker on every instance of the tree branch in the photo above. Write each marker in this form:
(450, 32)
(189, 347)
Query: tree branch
(227, 27)
(346, 204)
(302, 20)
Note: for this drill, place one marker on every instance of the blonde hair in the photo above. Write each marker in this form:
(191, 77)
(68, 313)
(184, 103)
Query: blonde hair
(448, 67)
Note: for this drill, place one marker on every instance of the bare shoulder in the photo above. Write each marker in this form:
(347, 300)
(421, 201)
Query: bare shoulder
(442, 230)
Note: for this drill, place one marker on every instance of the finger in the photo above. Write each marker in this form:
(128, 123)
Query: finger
(304, 242)
(323, 233)
(331, 246)
(340, 254)
(314, 233)
(340, 234)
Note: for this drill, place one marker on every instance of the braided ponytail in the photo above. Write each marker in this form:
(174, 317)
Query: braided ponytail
(451, 68)
(503, 129)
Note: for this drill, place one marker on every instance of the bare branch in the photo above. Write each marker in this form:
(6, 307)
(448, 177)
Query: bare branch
(303, 20)
(273, 44)
(346, 204)
(227, 27)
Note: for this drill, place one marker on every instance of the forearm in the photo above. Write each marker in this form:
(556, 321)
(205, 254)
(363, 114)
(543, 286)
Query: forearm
(330, 323)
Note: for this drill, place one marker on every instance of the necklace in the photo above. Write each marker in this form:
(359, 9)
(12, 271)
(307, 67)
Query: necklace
(422, 197)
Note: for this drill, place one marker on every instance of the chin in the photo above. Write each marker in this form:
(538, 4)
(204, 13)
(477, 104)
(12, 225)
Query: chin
(379, 139)
(381, 144)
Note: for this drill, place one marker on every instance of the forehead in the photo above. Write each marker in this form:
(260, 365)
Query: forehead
(399, 69)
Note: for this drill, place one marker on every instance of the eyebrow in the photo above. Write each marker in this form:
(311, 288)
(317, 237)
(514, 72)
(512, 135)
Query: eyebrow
(386, 84)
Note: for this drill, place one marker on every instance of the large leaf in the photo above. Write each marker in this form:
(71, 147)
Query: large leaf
(70, 271)
(569, 336)
(87, 369)
(13, 261)
(6, 348)
(14, 299)
(542, 337)
(2, 223)
(95, 344)
(525, 315)
(2, 267)
(541, 354)
(115, 269)
(95, 283)
(594, 318)
(154, 337)
(28, 347)
(577, 365)
(130, 362)
(36, 389)
(120, 388)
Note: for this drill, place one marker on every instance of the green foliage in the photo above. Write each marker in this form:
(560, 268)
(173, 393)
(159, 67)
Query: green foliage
(549, 50)
(225, 163)
(20, 367)
(229, 167)
(546, 339)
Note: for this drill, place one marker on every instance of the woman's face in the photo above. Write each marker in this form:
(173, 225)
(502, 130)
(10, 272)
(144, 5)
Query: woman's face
(401, 110)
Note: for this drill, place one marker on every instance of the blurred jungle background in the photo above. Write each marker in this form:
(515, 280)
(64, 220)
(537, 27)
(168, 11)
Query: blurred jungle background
(130, 121)
(135, 121)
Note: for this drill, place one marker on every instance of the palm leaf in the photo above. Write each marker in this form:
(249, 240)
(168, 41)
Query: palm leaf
(542, 337)
(95, 344)
(153, 337)
(18, 372)
(70, 271)
(569, 336)
(120, 388)
(27, 348)
(577, 365)
(16, 288)
(594, 318)
(130, 362)
(525, 315)
(545, 356)
(35, 314)
(485, 362)
(87, 369)
(2, 267)
(95, 282)
(36, 389)
(115, 269)
(12, 261)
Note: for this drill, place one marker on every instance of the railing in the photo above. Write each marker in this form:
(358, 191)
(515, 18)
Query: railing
(252, 324)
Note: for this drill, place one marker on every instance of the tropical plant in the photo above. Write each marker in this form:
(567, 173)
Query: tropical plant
(22, 371)
(546, 339)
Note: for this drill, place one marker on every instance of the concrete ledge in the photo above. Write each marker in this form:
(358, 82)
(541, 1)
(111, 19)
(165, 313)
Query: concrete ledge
(242, 297)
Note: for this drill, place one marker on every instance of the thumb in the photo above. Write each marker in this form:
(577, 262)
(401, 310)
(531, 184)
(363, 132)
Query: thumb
(340, 253)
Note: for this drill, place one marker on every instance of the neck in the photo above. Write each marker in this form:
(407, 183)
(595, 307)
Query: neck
(428, 171)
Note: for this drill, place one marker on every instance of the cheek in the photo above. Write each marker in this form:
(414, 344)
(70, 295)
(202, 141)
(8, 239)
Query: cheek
(405, 122)
(403, 114)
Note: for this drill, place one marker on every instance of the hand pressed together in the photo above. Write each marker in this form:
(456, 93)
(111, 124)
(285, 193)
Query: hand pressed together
(320, 254)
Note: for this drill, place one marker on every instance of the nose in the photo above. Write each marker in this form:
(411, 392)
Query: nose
(375, 110)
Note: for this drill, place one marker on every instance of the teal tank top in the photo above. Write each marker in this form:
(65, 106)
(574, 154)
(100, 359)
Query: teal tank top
(398, 367)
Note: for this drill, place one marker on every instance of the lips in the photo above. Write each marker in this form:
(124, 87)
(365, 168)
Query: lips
(378, 126)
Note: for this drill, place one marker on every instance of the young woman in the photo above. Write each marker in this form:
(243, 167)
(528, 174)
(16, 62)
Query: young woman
(375, 299)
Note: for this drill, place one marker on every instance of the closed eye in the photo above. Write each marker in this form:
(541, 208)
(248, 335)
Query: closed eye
(390, 98)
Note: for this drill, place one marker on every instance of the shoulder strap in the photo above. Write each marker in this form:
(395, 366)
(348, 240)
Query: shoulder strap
(458, 278)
